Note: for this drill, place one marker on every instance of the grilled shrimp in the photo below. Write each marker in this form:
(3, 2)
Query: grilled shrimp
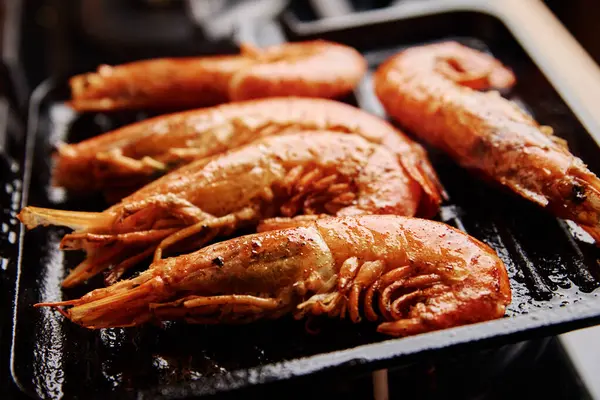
(429, 90)
(412, 274)
(314, 173)
(314, 69)
(133, 155)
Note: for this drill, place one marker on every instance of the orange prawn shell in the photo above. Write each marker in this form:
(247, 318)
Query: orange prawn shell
(304, 270)
(215, 130)
(309, 69)
(290, 69)
(428, 90)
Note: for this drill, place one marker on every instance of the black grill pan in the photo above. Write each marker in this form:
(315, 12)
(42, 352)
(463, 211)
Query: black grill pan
(552, 265)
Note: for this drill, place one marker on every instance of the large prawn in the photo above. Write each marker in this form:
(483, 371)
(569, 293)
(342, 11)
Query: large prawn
(429, 90)
(311, 173)
(415, 275)
(314, 69)
(133, 155)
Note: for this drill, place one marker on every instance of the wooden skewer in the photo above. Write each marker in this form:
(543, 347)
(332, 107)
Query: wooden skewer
(380, 385)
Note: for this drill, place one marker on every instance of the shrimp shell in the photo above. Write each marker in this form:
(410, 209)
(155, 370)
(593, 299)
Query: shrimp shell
(291, 69)
(127, 158)
(421, 88)
(413, 275)
(315, 173)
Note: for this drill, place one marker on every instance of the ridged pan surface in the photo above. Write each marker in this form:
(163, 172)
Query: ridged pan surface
(553, 267)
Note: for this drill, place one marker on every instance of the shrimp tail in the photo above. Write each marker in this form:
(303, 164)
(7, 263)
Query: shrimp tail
(121, 301)
(33, 217)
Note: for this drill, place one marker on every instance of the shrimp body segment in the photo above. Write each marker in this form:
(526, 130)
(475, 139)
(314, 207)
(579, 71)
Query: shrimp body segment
(313, 69)
(133, 155)
(413, 275)
(312, 173)
(429, 90)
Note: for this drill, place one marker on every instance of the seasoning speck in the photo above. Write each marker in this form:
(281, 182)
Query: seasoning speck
(219, 262)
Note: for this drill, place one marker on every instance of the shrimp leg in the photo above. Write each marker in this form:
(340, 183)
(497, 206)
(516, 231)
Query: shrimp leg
(213, 227)
(214, 309)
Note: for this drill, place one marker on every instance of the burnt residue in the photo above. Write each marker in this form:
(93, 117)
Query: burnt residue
(549, 269)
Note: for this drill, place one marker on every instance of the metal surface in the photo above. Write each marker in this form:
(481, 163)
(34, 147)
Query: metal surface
(552, 266)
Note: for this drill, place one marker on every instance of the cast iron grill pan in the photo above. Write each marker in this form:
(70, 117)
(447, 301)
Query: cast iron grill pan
(552, 265)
